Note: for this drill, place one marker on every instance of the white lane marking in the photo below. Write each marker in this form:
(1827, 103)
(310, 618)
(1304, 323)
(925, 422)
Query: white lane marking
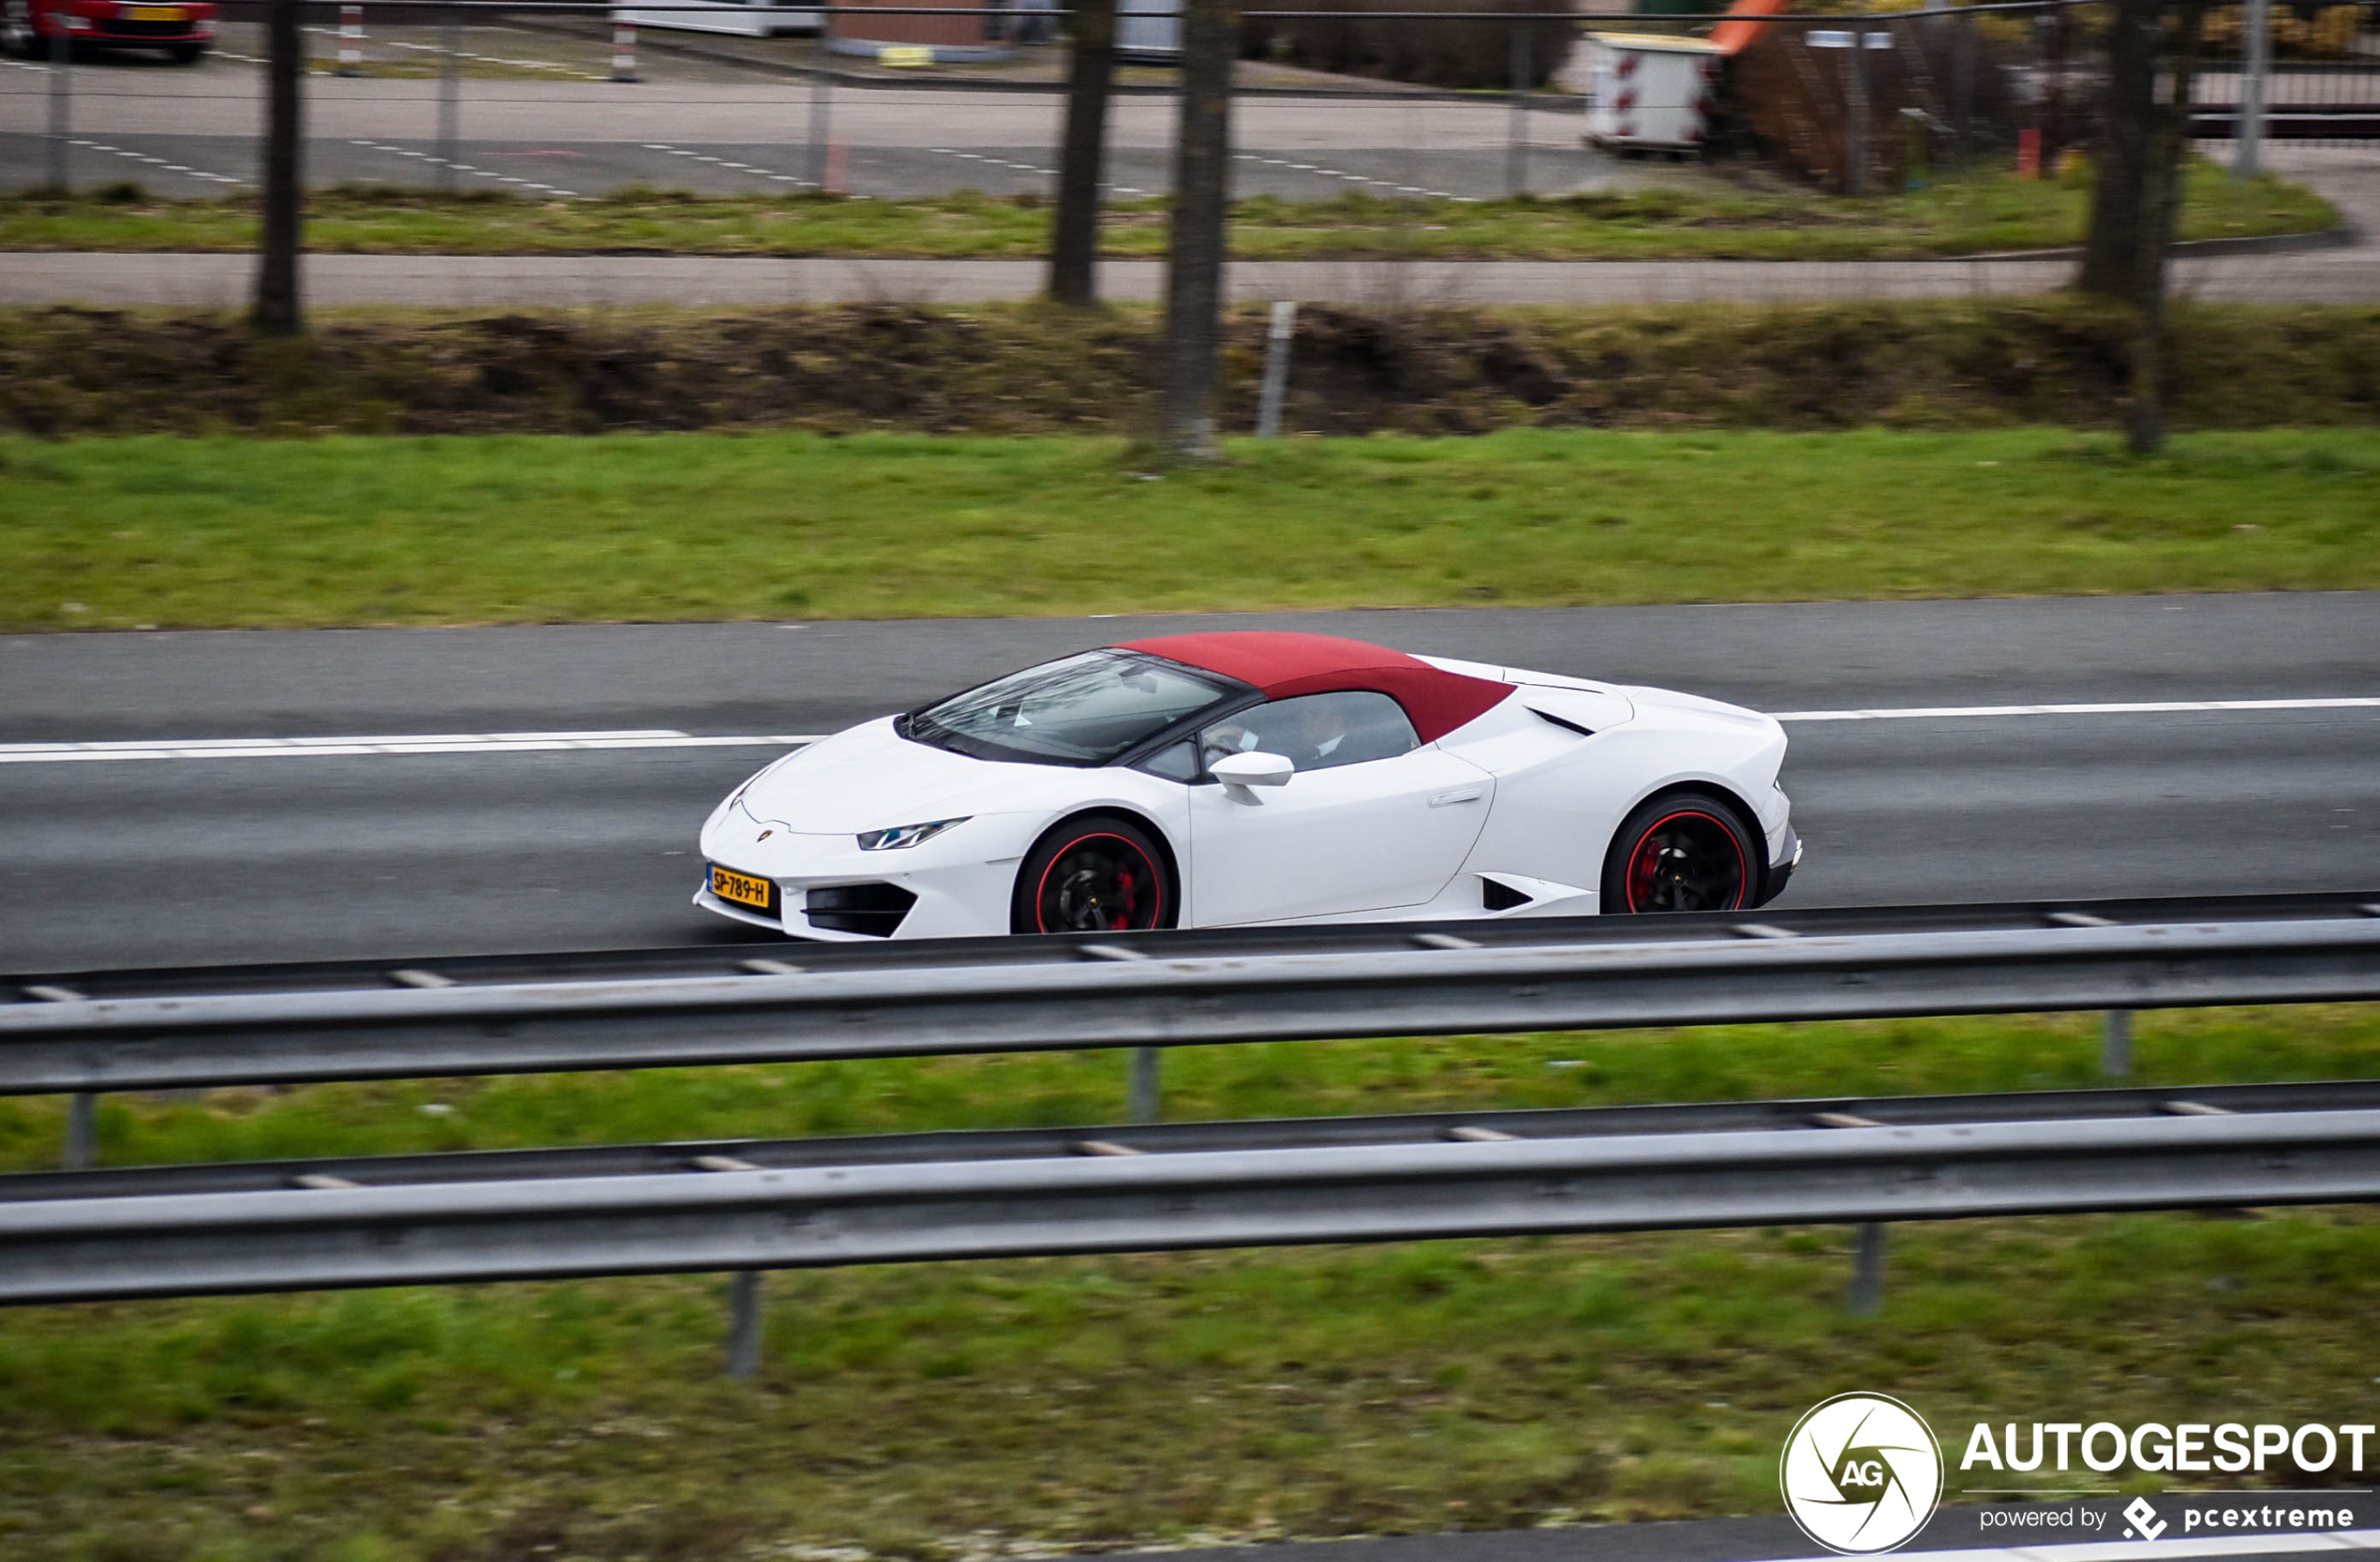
(1351, 178)
(155, 162)
(422, 743)
(465, 167)
(666, 737)
(744, 168)
(2144, 1551)
(2141, 707)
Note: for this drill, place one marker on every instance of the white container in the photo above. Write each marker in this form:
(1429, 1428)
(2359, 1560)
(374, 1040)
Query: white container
(1649, 92)
(758, 19)
(1149, 29)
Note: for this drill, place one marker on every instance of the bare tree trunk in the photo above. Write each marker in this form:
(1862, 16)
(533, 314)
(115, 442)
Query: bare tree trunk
(1201, 177)
(2169, 156)
(1074, 247)
(278, 312)
(2119, 205)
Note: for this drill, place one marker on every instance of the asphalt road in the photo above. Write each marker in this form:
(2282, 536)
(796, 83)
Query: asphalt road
(550, 124)
(159, 861)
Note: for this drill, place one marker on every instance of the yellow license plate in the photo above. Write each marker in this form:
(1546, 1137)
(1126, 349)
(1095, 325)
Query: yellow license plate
(743, 888)
(160, 13)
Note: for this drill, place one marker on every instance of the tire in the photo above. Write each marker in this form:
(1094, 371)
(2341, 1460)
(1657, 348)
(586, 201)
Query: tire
(1688, 851)
(185, 54)
(1100, 873)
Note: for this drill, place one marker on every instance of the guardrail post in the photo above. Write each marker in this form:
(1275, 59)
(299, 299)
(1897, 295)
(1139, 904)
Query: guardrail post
(449, 95)
(350, 41)
(623, 52)
(2255, 67)
(1141, 1103)
(1868, 1272)
(744, 1325)
(1276, 368)
(60, 102)
(2115, 1044)
(83, 1132)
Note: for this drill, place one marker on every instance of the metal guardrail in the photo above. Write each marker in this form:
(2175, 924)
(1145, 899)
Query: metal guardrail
(950, 1146)
(747, 1218)
(1596, 974)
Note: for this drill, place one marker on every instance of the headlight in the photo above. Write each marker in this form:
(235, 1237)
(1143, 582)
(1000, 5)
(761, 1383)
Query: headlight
(905, 835)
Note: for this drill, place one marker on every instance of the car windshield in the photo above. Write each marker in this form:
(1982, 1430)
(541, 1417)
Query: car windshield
(1086, 709)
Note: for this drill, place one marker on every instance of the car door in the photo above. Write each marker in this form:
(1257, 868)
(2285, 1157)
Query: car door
(1370, 820)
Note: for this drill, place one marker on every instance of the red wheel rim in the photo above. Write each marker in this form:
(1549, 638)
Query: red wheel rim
(1690, 860)
(1098, 882)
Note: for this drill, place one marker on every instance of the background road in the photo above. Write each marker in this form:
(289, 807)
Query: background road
(554, 125)
(159, 861)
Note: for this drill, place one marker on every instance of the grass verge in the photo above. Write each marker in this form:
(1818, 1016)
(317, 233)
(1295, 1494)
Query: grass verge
(1394, 364)
(1701, 219)
(992, 1409)
(230, 532)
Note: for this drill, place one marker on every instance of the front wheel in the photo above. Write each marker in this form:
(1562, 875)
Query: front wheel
(1685, 852)
(1097, 874)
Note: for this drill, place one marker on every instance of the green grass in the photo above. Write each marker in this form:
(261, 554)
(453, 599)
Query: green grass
(1688, 218)
(944, 1412)
(224, 531)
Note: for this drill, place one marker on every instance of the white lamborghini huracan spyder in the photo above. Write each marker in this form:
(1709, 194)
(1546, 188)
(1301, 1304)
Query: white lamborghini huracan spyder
(1204, 781)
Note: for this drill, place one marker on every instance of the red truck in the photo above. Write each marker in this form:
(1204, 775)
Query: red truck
(30, 28)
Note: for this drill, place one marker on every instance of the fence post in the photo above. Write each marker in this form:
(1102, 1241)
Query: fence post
(2256, 67)
(1962, 84)
(744, 1325)
(1276, 368)
(350, 41)
(60, 102)
(1856, 107)
(450, 94)
(83, 1132)
(623, 52)
(1516, 159)
(2115, 1044)
(1867, 1274)
(821, 105)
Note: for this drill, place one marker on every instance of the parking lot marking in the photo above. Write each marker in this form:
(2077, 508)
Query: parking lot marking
(157, 162)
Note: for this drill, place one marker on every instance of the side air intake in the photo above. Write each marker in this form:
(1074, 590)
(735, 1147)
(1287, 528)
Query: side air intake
(1500, 896)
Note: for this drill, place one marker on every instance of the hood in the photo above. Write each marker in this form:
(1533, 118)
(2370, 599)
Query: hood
(871, 778)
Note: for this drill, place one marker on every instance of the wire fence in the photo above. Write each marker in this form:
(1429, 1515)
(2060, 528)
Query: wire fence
(565, 101)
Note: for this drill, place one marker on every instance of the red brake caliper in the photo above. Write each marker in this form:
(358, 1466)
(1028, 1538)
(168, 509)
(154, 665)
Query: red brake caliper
(1123, 921)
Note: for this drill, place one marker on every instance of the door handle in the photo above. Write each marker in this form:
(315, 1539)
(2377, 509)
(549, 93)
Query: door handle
(1460, 795)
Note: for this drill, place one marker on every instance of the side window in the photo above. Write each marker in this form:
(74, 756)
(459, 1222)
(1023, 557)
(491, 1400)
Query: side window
(1315, 732)
(1175, 762)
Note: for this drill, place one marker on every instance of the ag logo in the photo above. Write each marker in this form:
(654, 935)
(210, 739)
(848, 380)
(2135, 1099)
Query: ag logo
(1861, 1473)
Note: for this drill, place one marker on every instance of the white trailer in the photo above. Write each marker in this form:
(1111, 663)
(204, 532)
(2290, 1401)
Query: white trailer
(747, 18)
(1648, 93)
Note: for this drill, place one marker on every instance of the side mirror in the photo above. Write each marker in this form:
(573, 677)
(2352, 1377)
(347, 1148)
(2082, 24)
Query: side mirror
(1241, 772)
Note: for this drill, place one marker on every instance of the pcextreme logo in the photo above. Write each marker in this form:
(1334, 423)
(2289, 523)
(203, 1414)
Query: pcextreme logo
(1861, 1474)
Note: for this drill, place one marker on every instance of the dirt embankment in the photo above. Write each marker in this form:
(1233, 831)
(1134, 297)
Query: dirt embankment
(68, 371)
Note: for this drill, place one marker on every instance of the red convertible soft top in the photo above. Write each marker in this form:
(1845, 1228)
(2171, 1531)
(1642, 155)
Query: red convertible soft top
(1284, 665)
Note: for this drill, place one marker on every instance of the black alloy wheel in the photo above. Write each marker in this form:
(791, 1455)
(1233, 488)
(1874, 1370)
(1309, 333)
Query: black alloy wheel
(1686, 852)
(1099, 874)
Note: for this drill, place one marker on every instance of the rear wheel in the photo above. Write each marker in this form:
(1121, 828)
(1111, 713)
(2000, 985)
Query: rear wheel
(1099, 874)
(1685, 852)
(16, 30)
